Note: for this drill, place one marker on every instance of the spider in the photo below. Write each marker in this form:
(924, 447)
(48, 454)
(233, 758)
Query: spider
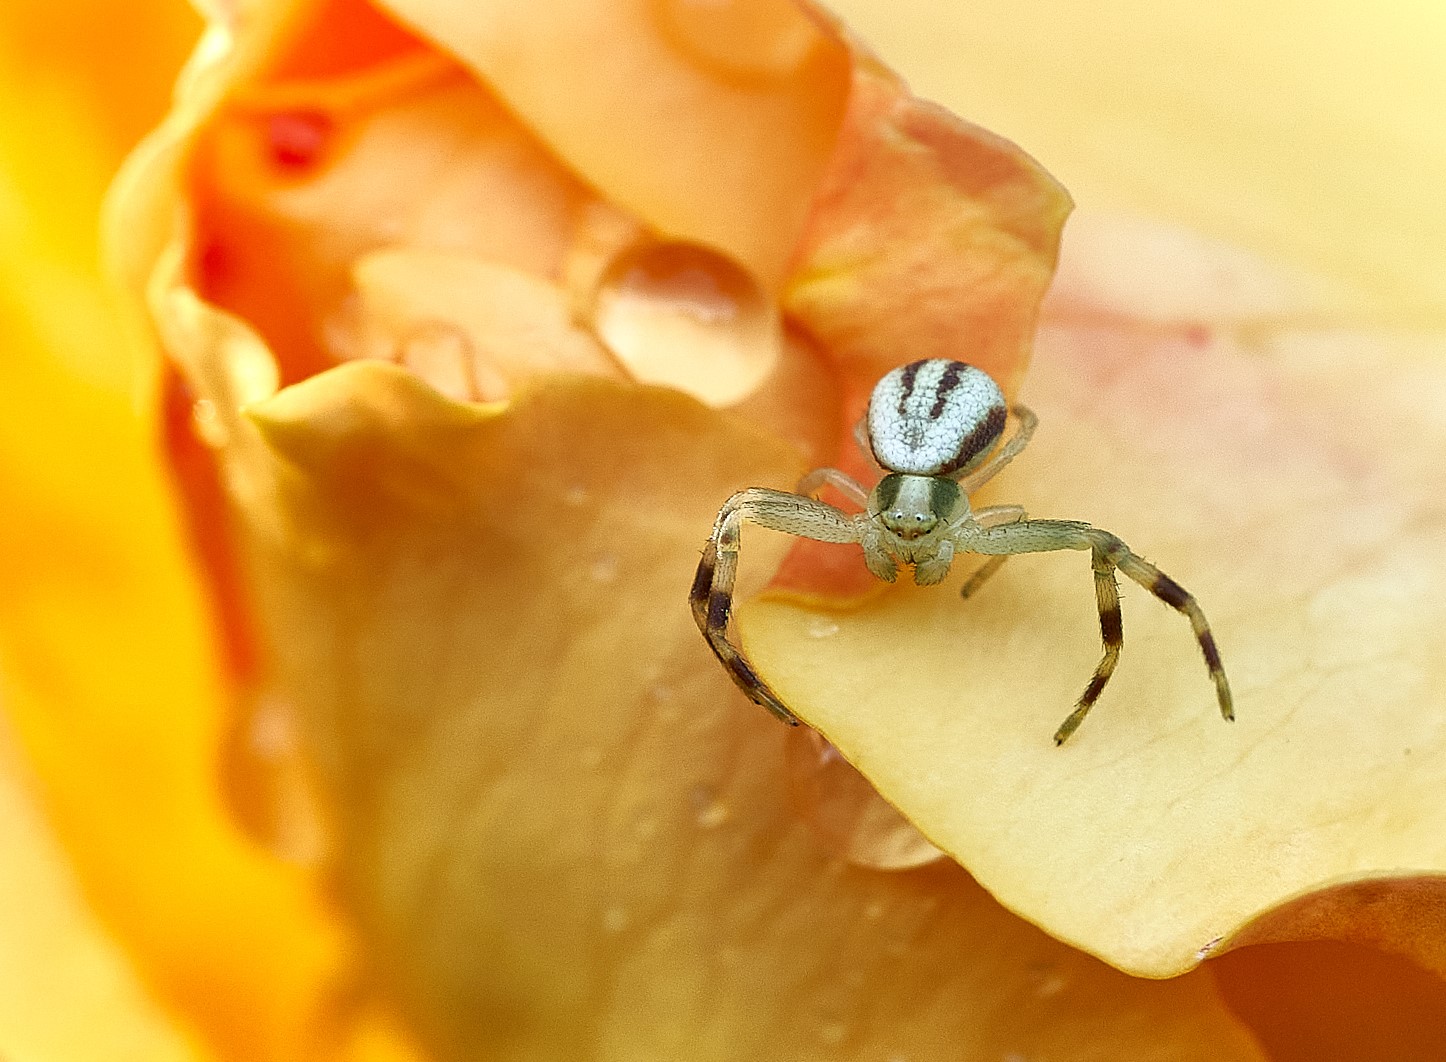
(932, 427)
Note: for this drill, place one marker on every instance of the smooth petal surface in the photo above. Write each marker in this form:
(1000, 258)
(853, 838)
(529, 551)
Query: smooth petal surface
(562, 829)
(57, 962)
(1290, 479)
(1311, 134)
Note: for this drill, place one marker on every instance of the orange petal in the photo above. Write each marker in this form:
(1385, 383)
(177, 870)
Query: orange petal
(562, 827)
(929, 238)
(712, 123)
(1290, 483)
(66, 989)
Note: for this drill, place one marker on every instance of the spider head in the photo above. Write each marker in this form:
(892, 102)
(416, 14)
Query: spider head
(935, 418)
(912, 506)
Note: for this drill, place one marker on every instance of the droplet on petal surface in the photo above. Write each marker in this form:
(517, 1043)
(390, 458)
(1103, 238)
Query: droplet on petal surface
(740, 39)
(847, 812)
(686, 317)
(270, 783)
(442, 355)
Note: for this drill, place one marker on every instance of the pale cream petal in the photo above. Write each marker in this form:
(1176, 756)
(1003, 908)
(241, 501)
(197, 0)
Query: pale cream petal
(565, 833)
(1290, 479)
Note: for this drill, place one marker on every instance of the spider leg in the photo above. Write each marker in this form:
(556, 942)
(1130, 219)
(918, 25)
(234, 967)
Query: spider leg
(1011, 449)
(1108, 553)
(861, 438)
(842, 482)
(993, 516)
(712, 594)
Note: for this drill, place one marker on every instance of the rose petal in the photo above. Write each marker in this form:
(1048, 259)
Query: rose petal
(561, 827)
(485, 328)
(1313, 136)
(152, 898)
(929, 238)
(66, 989)
(1291, 485)
(711, 157)
(296, 182)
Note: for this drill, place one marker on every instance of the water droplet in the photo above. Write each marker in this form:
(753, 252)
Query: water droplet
(709, 811)
(441, 354)
(576, 496)
(269, 784)
(1050, 987)
(848, 813)
(833, 1033)
(296, 140)
(615, 919)
(207, 419)
(874, 910)
(682, 316)
(1048, 982)
(604, 569)
(747, 40)
(821, 627)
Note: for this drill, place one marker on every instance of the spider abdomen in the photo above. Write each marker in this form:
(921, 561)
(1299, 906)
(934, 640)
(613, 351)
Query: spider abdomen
(934, 417)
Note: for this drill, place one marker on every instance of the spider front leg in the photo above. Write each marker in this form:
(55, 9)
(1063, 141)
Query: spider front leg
(712, 593)
(993, 516)
(1108, 553)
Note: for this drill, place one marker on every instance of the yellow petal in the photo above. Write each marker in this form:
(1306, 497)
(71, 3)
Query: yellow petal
(1290, 482)
(108, 672)
(66, 989)
(561, 827)
(1312, 134)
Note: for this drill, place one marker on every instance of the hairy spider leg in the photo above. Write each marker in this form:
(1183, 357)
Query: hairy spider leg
(993, 516)
(1006, 453)
(1108, 554)
(712, 593)
(842, 482)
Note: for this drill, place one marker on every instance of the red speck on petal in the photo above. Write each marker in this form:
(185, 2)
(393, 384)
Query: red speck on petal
(213, 266)
(296, 139)
(1198, 335)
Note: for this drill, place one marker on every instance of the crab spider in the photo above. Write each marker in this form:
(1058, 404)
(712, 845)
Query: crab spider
(934, 428)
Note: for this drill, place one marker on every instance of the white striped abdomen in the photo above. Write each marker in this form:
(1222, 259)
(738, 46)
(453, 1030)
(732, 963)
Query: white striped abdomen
(935, 417)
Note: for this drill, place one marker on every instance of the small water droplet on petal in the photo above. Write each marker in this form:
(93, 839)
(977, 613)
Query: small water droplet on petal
(604, 569)
(441, 354)
(748, 40)
(848, 813)
(615, 919)
(269, 782)
(207, 419)
(821, 627)
(709, 811)
(683, 316)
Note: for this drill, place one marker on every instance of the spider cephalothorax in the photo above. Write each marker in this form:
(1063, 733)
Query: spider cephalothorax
(934, 428)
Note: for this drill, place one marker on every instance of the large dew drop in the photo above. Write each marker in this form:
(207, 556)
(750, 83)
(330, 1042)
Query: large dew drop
(686, 317)
(848, 813)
